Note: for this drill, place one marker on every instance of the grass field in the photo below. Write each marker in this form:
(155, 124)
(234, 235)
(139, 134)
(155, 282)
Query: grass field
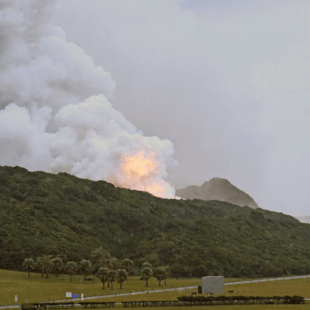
(299, 287)
(40, 289)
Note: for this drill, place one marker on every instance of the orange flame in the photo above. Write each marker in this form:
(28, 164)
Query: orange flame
(140, 172)
(140, 165)
(157, 189)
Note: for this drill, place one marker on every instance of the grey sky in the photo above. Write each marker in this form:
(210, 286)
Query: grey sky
(228, 84)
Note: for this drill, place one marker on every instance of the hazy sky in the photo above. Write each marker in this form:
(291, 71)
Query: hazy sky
(227, 82)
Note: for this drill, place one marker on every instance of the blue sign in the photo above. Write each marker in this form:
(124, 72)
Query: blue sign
(75, 296)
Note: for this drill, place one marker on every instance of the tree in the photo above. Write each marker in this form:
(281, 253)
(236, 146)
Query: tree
(39, 265)
(102, 274)
(28, 265)
(96, 255)
(177, 270)
(100, 257)
(128, 265)
(85, 267)
(64, 258)
(121, 277)
(161, 274)
(71, 268)
(58, 265)
(112, 276)
(147, 274)
(44, 264)
(112, 262)
(168, 274)
(146, 264)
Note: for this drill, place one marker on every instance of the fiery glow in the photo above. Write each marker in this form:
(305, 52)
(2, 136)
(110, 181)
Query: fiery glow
(140, 165)
(140, 171)
(157, 189)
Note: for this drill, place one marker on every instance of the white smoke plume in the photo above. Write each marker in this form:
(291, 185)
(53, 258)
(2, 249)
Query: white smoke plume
(55, 113)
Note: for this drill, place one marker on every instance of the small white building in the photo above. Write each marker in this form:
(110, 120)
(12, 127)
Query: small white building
(213, 285)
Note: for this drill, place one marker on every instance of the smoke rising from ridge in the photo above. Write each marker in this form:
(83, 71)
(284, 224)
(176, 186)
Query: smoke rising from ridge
(55, 112)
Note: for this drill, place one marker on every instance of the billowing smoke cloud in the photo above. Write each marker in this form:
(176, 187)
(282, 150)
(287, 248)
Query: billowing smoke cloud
(55, 111)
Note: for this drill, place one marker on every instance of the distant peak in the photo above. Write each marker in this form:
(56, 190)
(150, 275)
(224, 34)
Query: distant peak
(218, 189)
(216, 181)
(213, 180)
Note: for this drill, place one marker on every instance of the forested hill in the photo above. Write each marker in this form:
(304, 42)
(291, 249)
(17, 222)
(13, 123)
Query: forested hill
(42, 213)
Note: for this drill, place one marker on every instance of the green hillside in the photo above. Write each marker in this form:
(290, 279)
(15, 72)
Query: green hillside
(43, 213)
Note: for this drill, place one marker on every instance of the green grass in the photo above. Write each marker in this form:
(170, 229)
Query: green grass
(40, 289)
(245, 290)
(299, 287)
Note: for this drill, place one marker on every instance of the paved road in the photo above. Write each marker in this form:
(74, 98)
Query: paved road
(172, 289)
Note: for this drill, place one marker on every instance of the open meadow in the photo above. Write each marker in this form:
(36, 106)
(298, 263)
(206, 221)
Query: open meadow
(299, 287)
(38, 289)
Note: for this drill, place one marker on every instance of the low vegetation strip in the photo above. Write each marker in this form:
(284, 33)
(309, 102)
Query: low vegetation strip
(182, 301)
(231, 300)
(67, 305)
(219, 300)
(97, 304)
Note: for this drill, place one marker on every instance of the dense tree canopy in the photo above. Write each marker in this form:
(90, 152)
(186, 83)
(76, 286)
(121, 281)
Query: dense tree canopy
(43, 213)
